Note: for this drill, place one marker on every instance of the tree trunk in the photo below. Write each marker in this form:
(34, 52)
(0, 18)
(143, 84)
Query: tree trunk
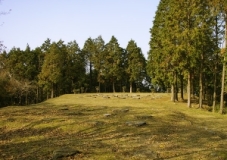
(223, 70)
(37, 95)
(113, 87)
(192, 85)
(200, 90)
(52, 91)
(215, 68)
(215, 88)
(90, 68)
(222, 88)
(130, 87)
(172, 93)
(201, 83)
(47, 95)
(189, 90)
(26, 98)
(182, 87)
(176, 87)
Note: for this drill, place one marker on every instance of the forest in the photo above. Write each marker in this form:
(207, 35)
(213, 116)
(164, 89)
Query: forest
(187, 50)
(187, 55)
(55, 68)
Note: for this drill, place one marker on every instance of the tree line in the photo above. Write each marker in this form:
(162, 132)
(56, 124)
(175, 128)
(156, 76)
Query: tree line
(55, 68)
(187, 49)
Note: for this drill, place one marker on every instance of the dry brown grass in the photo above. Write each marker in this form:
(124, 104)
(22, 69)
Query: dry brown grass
(97, 125)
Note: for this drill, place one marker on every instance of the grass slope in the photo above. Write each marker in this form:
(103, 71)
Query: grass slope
(105, 127)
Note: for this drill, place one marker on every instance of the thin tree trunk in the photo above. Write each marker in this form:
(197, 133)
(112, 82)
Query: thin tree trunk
(215, 68)
(130, 87)
(200, 90)
(37, 95)
(176, 87)
(201, 83)
(26, 98)
(223, 70)
(189, 90)
(90, 68)
(192, 85)
(172, 93)
(173, 98)
(222, 88)
(215, 88)
(113, 87)
(182, 87)
(52, 91)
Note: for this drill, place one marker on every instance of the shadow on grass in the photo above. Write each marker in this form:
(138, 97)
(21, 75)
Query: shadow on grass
(170, 136)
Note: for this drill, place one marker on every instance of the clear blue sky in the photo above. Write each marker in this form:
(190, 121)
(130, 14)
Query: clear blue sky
(33, 21)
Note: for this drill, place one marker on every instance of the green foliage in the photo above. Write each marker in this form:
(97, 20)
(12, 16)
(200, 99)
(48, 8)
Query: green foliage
(74, 67)
(135, 63)
(112, 69)
(185, 42)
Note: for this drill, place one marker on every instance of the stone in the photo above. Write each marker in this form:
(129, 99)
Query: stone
(64, 152)
(125, 110)
(96, 123)
(136, 123)
(144, 117)
(107, 115)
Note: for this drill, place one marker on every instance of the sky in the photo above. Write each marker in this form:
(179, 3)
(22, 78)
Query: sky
(33, 21)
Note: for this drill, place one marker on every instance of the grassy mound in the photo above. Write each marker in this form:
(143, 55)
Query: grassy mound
(111, 126)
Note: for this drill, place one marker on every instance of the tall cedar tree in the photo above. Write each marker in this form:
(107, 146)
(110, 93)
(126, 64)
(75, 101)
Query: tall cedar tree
(75, 67)
(88, 51)
(136, 63)
(223, 10)
(98, 59)
(113, 62)
(51, 73)
(180, 38)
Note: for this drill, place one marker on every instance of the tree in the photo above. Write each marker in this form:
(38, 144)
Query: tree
(113, 62)
(88, 51)
(222, 8)
(4, 80)
(97, 58)
(51, 73)
(182, 41)
(136, 63)
(74, 67)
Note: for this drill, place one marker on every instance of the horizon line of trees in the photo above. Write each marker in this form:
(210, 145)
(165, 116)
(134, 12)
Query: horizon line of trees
(55, 68)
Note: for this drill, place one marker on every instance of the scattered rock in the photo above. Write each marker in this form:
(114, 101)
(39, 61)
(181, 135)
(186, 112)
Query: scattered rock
(136, 123)
(120, 111)
(96, 123)
(107, 115)
(64, 109)
(125, 110)
(136, 97)
(106, 97)
(144, 117)
(122, 97)
(75, 114)
(64, 153)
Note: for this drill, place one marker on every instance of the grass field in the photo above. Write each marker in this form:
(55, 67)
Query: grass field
(112, 127)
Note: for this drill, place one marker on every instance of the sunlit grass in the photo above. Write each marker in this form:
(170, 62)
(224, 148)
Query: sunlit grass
(102, 126)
